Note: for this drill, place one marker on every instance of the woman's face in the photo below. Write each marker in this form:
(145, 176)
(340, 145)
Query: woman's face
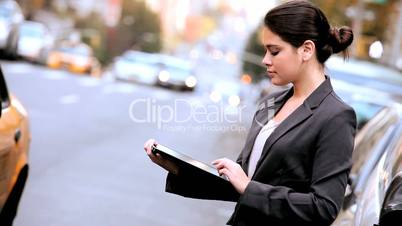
(282, 59)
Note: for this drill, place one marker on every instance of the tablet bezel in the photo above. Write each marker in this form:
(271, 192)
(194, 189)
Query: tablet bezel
(186, 159)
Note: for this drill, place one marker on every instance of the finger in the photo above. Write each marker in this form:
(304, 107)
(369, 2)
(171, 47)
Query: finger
(219, 165)
(225, 172)
(216, 161)
(148, 145)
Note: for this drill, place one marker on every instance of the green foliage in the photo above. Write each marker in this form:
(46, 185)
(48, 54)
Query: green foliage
(254, 46)
(139, 28)
(92, 28)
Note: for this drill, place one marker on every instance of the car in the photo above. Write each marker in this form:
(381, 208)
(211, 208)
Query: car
(10, 17)
(367, 74)
(77, 58)
(136, 66)
(15, 139)
(34, 39)
(373, 194)
(176, 73)
(229, 93)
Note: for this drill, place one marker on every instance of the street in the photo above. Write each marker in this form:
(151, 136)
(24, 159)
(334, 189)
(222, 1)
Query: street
(87, 163)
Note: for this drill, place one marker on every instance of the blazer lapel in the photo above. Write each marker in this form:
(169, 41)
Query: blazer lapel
(298, 116)
(303, 112)
(267, 110)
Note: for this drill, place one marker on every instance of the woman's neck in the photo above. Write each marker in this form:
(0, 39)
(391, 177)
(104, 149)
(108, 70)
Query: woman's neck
(308, 82)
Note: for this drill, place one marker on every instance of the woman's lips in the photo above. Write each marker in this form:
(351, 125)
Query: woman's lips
(270, 73)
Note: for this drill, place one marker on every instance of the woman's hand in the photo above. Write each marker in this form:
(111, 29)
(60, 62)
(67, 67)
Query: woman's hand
(234, 172)
(158, 159)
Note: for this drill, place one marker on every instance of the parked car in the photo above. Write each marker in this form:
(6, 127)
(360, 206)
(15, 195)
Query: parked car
(137, 67)
(374, 189)
(176, 73)
(34, 40)
(10, 17)
(75, 58)
(14, 147)
(367, 74)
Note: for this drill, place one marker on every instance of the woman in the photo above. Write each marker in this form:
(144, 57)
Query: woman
(294, 167)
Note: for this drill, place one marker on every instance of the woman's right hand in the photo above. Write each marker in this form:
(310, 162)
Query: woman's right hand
(158, 159)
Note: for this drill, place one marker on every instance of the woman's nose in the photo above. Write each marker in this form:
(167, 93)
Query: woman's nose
(266, 60)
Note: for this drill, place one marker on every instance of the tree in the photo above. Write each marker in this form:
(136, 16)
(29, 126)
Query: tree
(254, 49)
(139, 28)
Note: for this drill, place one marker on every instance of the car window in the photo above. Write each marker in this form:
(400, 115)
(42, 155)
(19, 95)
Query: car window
(5, 13)
(369, 140)
(364, 112)
(6, 10)
(81, 51)
(139, 58)
(5, 101)
(32, 31)
(177, 72)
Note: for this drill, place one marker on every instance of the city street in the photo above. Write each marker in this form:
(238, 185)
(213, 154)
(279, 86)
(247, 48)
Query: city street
(87, 163)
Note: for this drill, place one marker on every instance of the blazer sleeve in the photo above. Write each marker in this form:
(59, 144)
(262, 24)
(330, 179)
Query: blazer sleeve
(200, 187)
(332, 163)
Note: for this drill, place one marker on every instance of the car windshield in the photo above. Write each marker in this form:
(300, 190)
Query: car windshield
(31, 31)
(6, 10)
(177, 71)
(76, 51)
(139, 58)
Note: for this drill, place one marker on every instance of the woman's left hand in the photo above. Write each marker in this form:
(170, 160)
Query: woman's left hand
(234, 172)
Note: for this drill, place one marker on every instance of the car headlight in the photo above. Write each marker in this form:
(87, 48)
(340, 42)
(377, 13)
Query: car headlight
(191, 82)
(234, 100)
(164, 76)
(215, 96)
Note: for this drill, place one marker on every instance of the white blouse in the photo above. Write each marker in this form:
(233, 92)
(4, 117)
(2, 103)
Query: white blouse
(259, 143)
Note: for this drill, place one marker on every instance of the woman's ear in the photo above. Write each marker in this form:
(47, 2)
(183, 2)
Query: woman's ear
(307, 50)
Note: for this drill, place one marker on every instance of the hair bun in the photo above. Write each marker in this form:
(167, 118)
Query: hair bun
(340, 38)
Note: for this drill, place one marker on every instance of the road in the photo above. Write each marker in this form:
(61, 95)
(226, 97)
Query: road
(87, 164)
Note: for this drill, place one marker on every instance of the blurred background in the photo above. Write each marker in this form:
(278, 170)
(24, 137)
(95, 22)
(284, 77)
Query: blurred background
(100, 77)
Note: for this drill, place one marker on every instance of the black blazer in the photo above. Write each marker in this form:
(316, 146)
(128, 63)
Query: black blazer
(302, 173)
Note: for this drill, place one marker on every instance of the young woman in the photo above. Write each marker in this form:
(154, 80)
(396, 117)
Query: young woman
(294, 167)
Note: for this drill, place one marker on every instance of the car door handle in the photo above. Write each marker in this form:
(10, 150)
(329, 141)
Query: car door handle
(17, 135)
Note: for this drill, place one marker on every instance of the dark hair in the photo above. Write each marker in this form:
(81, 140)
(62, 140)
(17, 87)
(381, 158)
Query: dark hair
(298, 21)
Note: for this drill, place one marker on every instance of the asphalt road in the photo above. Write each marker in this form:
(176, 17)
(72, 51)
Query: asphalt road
(87, 164)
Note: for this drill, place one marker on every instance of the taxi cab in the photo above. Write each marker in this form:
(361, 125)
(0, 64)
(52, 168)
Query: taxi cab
(14, 147)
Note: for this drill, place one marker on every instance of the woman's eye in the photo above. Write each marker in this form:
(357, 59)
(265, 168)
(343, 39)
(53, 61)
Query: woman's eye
(274, 53)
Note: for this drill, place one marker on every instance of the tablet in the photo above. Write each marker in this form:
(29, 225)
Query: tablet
(182, 159)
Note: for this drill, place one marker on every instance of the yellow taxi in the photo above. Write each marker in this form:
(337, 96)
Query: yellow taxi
(14, 147)
(75, 58)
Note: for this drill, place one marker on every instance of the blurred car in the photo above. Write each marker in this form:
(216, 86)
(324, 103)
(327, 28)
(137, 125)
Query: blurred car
(367, 74)
(229, 93)
(10, 16)
(34, 39)
(176, 73)
(373, 176)
(136, 66)
(76, 58)
(14, 147)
